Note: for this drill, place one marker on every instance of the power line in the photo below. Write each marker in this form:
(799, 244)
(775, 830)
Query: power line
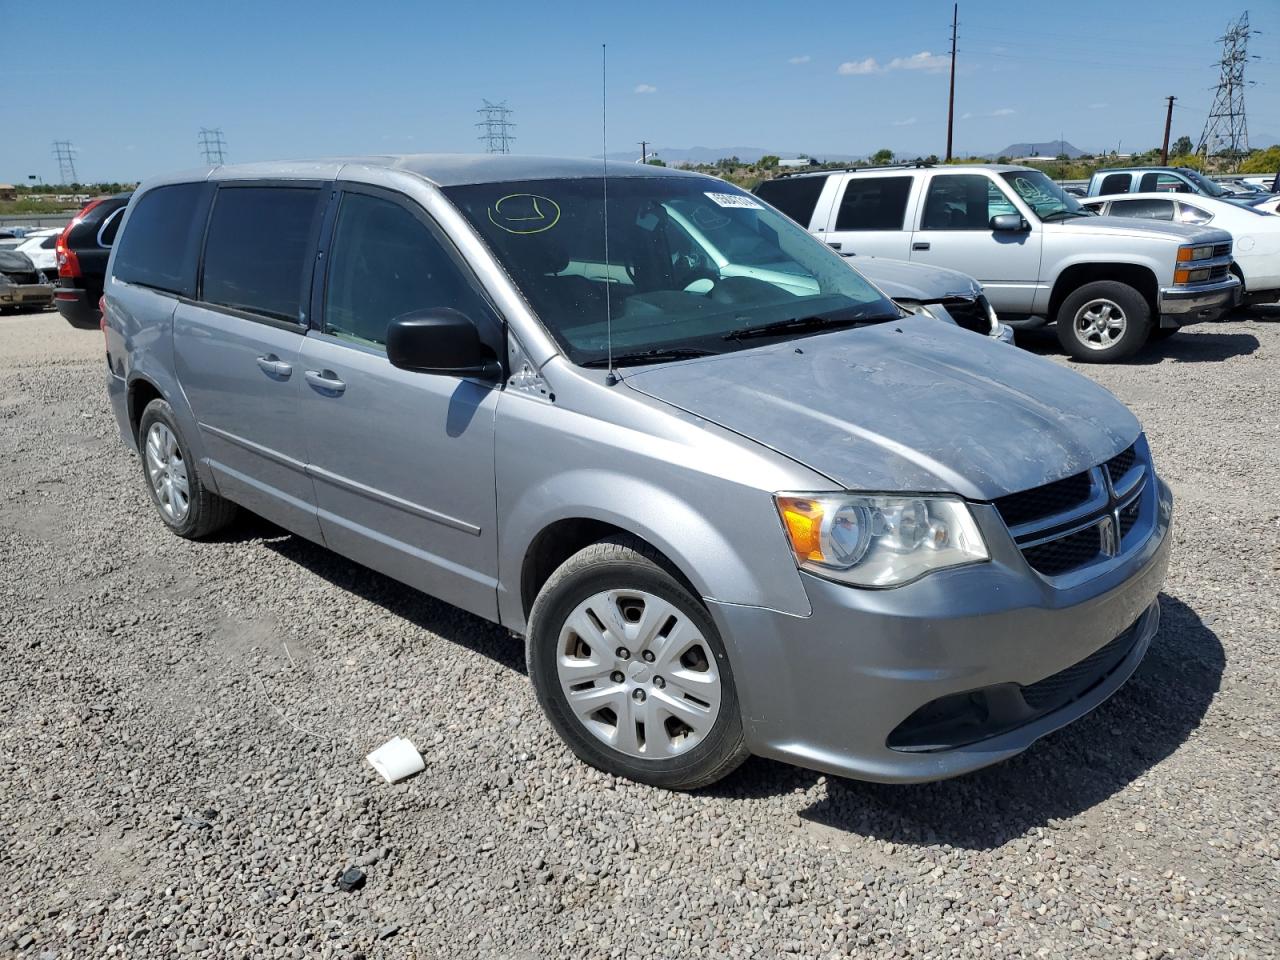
(212, 146)
(1226, 131)
(495, 127)
(65, 152)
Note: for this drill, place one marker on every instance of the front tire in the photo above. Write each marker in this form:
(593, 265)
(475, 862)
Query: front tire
(1103, 322)
(629, 668)
(184, 503)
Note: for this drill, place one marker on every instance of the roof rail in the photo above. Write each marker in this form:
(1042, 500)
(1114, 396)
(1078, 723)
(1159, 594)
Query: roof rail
(913, 165)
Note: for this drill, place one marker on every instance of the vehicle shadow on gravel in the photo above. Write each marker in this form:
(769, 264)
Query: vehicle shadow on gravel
(435, 616)
(1060, 777)
(1183, 348)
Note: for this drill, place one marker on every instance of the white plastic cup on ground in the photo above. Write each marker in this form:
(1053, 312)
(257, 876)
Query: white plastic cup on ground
(397, 759)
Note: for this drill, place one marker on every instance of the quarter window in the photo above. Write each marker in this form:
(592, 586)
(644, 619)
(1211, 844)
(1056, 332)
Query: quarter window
(258, 249)
(874, 203)
(1143, 209)
(158, 249)
(963, 202)
(1190, 214)
(387, 263)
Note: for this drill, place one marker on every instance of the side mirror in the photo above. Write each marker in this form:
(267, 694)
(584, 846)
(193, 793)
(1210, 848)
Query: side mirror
(441, 340)
(1009, 222)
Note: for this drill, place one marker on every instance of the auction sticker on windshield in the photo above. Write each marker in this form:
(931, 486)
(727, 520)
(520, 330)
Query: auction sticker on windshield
(733, 200)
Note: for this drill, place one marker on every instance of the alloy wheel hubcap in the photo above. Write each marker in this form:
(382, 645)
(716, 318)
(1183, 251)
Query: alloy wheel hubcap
(1099, 324)
(658, 701)
(167, 471)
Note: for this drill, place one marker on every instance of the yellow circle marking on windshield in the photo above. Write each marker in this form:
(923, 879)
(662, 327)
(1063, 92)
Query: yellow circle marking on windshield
(524, 213)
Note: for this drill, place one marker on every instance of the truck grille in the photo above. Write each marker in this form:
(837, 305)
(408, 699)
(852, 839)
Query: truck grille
(1069, 524)
(1221, 250)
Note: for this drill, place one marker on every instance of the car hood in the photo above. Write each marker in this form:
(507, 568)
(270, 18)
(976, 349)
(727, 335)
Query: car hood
(904, 406)
(903, 280)
(15, 262)
(1135, 227)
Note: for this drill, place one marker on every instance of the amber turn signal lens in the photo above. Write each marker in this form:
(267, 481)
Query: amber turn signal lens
(803, 520)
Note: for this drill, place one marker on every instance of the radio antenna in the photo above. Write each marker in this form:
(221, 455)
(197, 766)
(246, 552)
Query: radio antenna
(611, 377)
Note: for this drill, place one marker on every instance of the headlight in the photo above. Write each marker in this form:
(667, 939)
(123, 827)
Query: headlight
(1191, 276)
(879, 541)
(1204, 252)
(920, 310)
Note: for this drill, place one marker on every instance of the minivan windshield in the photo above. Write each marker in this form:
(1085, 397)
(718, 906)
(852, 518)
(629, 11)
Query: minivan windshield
(1046, 198)
(692, 266)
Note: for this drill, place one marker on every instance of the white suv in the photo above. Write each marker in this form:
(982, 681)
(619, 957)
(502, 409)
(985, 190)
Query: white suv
(1109, 283)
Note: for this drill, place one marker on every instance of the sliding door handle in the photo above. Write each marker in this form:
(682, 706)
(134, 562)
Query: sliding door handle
(326, 381)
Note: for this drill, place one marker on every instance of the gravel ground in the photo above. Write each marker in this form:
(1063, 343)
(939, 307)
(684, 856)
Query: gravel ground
(182, 729)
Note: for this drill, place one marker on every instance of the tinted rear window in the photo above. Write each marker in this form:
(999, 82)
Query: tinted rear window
(158, 249)
(258, 248)
(874, 203)
(794, 196)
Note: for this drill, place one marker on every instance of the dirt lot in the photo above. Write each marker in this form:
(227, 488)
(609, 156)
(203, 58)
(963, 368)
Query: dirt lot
(182, 729)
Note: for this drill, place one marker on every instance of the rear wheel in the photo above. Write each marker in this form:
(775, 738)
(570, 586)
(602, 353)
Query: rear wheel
(186, 506)
(1103, 321)
(630, 670)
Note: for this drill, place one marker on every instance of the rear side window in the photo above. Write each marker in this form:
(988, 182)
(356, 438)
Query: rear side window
(874, 203)
(1143, 209)
(258, 249)
(158, 249)
(386, 263)
(1116, 183)
(794, 196)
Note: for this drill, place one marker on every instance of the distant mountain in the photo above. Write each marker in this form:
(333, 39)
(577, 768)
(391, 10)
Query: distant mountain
(1048, 148)
(676, 155)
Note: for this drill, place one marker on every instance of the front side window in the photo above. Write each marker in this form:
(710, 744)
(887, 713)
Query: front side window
(1143, 209)
(965, 201)
(1163, 183)
(158, 249)
(258, 248)
(386, 263)
(874, 203)
(692, 264)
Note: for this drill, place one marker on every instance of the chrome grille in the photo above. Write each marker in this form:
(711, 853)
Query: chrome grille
(1071, 524)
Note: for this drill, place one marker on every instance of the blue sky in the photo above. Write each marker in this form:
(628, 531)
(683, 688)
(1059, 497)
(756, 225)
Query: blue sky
(288, 79)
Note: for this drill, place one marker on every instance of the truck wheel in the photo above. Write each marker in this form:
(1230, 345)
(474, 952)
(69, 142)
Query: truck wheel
(630, 670)
(1103, 321)
(187, 507)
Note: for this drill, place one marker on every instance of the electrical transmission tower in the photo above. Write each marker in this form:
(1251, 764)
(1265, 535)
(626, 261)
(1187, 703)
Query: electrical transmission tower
(66, 154)
(495, 127)
(1226, 132)
(212, 146)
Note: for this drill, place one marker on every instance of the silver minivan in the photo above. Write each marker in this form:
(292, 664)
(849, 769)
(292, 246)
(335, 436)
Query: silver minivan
(734, 505)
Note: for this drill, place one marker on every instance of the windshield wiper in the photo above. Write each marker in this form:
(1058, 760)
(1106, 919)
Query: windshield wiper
(802, 324)
(657, 355)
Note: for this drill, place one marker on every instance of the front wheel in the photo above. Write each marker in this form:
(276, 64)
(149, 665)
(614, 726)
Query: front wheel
(1103, 321)
(630, 669)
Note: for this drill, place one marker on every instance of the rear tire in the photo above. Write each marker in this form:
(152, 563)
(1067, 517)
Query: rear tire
(184, 503)
(1103, 322)
(629, 668)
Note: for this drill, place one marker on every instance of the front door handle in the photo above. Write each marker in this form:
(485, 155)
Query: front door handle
(920, 246)
(273, 366)
(326, 381)
(834, 244)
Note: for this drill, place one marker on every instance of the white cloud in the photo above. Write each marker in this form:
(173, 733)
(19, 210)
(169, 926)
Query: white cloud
(924, 60)
(966, 116)
(903, 123)
(803, 58)
(858, 68)
(1099, 106)
(646, 88)
(1004, 112)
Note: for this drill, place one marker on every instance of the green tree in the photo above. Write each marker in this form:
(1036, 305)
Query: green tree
(882, 156)
(1262, 161)
(1181, 146)
(769, 161)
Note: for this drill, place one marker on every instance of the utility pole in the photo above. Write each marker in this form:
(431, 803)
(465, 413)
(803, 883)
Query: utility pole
(212, 146)
(951, 100)
(1168, 122)
(644, 151)
(65, 153)
(495, 127)
(1226, 131)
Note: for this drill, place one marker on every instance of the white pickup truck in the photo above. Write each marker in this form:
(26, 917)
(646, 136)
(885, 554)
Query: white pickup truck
(1109, 283)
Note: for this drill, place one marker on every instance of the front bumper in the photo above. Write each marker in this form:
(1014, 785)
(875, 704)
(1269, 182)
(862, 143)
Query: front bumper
(1180, 306)
(26, 295)
(828, 691)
